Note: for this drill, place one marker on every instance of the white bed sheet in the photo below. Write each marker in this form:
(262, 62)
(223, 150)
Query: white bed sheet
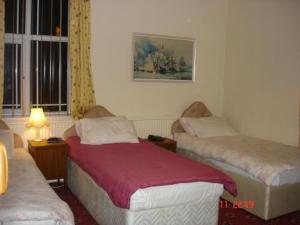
(289, 176)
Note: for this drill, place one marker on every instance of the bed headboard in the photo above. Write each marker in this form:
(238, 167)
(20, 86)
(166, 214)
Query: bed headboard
(97, 111)
(196, 109)
(18, 142)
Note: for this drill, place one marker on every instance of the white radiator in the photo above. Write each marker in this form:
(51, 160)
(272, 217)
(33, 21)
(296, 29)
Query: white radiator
(157, 126)
(58, 124)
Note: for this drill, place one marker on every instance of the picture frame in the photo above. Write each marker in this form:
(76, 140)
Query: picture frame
(163, 58)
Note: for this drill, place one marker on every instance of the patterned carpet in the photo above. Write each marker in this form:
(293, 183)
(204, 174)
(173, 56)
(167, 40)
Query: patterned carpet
(228, 215)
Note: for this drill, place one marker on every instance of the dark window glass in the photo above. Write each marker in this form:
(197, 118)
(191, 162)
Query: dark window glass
(51, 83)
(15, 16)
(12, 75)
(52, 16)
(65, 16)
(49, 59)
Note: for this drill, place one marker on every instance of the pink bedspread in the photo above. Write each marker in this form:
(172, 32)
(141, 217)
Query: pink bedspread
(122, 169)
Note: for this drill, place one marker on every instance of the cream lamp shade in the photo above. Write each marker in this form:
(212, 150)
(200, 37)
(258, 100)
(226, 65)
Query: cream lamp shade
(3, 170)
(37, 120)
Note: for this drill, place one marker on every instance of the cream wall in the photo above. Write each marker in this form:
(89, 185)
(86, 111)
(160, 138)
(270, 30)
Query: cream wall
(113, 23)
(262, 76)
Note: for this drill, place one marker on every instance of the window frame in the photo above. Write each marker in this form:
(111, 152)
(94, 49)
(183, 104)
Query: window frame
(25, 40)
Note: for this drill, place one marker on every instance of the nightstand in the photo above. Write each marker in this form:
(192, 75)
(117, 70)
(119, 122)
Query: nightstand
(166, 143)
(51, 158)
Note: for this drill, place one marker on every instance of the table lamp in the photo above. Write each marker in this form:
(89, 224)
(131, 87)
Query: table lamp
(37, 120)
(3, 170)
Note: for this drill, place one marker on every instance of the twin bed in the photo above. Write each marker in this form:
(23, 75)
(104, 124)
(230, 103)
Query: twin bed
(265, 172)
(138, 183)
(29, 199)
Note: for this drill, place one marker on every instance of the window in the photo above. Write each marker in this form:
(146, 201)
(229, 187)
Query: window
(36, 56)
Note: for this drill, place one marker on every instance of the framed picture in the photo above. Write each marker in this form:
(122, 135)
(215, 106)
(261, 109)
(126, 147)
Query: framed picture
(163, 58)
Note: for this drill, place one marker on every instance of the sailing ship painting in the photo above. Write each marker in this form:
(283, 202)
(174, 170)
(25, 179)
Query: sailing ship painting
(163, 58)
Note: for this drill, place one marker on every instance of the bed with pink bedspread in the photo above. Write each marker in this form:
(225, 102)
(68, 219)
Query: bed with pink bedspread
(122, 169)
(140, 183)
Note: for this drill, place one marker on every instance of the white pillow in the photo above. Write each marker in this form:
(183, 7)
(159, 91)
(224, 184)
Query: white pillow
(7, 138)
(207, 127)
(108, 118)
(107, 130)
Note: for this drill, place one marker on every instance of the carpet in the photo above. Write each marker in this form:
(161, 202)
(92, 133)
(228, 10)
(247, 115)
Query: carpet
(228, 215)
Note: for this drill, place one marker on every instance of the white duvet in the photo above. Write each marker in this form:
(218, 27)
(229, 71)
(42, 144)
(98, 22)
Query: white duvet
(29, 199)
(263, 159)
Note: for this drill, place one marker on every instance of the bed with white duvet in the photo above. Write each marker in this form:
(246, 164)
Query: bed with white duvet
(29, 199)
(266, 172)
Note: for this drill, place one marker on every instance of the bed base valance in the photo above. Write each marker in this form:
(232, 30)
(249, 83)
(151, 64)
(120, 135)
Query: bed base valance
(270, 202)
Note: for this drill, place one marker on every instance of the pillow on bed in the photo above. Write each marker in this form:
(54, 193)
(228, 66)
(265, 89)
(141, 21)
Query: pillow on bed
(108, 118)
(207, 127)
(7, 138)
(107, 130)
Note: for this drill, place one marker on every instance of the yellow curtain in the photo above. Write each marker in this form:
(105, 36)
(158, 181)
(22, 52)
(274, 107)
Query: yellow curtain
(82, 90)
(2, 31)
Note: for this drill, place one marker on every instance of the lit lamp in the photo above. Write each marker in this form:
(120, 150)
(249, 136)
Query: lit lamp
(37, 120)
(3, 170)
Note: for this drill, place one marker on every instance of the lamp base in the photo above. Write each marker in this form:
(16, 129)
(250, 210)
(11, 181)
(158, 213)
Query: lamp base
(37, 136)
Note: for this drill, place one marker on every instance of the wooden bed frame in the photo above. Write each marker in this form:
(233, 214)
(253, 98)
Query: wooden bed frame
(270, 201)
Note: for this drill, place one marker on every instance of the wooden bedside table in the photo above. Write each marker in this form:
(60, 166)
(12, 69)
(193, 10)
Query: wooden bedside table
(167, 144)
(51, 158)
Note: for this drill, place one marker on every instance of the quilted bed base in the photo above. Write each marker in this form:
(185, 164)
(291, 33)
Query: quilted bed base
(270, 202)
(199, 212)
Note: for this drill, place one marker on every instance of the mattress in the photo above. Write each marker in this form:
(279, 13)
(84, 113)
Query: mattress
(29, 199)
(212, 149)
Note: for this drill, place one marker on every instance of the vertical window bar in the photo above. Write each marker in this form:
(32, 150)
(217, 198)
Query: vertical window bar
(22, 63)
(42, 65)
(59, 71)
(51, 62)
(18, 18)
(16, 76)
(28, 75)
(17, 57)
(13, 64)
(37, 53)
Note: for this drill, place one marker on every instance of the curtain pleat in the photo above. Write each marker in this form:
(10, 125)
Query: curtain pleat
(2, 32)
(82, 90)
